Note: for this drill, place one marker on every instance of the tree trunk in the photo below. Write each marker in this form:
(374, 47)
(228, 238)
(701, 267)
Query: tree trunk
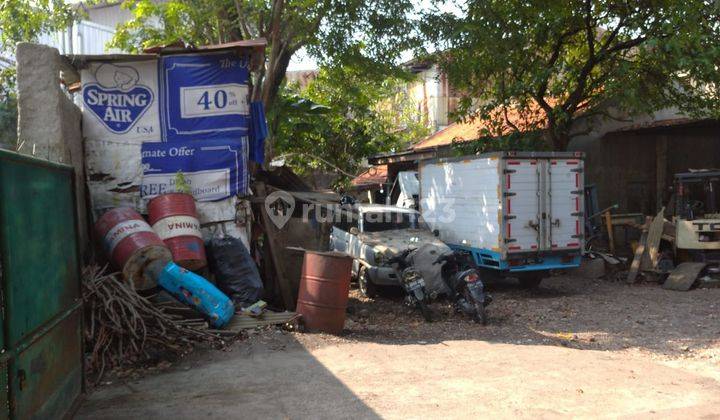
(557, 136)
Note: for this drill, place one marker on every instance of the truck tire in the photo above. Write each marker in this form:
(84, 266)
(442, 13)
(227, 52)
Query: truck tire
(366, 286)
(530, 281)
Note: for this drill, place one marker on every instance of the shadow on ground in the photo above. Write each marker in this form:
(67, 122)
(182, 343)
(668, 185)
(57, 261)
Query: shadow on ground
(252, 380)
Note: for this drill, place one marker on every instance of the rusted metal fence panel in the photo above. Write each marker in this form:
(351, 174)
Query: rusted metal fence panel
(40, 274)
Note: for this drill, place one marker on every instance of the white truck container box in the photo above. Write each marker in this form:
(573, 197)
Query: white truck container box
(520, 212)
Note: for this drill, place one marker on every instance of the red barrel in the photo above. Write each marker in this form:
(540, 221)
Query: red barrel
(131, 244)
(324, 288)
(174, 218)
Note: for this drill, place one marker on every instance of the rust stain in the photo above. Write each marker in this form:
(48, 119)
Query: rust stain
(100, 176)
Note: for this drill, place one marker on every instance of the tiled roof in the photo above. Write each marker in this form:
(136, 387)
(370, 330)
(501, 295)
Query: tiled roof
(475, 128)
(373, 175)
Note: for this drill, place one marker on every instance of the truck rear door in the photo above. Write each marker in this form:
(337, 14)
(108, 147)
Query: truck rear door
(563, 186)
(522, 205)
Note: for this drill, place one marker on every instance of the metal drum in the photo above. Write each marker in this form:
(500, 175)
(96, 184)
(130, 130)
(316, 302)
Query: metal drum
(131, 244)
(324, 287)
(174, 218)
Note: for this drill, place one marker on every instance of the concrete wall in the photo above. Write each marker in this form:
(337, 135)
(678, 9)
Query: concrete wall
(48, 122)
(434, 97)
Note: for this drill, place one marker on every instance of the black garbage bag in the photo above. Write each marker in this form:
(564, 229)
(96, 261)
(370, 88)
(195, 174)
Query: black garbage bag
(235, 272)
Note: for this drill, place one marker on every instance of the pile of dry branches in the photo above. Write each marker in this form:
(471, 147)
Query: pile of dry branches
(124, 329)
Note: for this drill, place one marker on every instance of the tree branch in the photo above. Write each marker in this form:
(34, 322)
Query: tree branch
(557, 48)
(589, 29)
(507, 120)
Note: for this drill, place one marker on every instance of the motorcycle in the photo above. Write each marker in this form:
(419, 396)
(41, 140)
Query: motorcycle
(467, 291)
(413, 283)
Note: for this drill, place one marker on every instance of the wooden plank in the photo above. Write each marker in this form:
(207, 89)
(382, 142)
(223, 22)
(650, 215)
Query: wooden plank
(661, 148)
(637, 259)
(651, 255)
(683, 276)
(240, 321)
(611, 236)
(275, 250)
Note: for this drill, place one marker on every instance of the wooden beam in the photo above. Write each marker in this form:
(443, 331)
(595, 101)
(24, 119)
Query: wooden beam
(651, 256)
(639, 252)
(283, 283)
(611, 236)
(661, 148)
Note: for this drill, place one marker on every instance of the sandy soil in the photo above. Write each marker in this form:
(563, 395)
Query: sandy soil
(574, 347)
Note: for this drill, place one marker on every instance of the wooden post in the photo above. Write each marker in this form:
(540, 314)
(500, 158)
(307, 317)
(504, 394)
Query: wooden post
(639, 252)
(661, 148)
(283, 283)
(611, 236)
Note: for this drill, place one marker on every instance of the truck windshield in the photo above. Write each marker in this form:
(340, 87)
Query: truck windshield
(381, 221)
(699, 198)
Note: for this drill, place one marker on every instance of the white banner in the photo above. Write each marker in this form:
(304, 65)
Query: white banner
(174, 226)
(120, 101)
(208, 185)
(121, 231)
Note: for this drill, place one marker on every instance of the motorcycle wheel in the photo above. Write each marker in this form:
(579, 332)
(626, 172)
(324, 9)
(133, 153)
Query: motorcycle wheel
(367, 287)
(480, 315)
(425, 311)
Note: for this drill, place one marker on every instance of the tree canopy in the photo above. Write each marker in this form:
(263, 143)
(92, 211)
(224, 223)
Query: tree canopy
(341, 117)
(579, 59)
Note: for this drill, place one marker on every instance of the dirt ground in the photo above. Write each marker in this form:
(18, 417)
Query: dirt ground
(574, 347)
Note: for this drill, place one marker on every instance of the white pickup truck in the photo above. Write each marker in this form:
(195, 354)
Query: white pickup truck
(377, 233)
(517, 213)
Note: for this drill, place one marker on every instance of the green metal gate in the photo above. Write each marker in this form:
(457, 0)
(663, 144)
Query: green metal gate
(41, 363)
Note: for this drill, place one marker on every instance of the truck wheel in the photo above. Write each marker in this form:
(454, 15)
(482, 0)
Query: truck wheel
(367, 287)
(530, 281)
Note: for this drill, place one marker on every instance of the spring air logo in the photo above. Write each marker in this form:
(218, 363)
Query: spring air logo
(117, 99)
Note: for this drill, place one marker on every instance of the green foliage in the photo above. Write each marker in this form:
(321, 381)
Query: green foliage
(579, 58)
(8, 122)
(181, 184)
(334, 30)
(516, 141)
(24, 20)
(341, 117)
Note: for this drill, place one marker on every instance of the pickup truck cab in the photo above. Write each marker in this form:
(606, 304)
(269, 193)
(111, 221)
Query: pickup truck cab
(374, 234)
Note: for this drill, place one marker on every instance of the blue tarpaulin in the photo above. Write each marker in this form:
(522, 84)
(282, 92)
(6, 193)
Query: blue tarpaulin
(258, 132)
(215, 169)
(203, 95)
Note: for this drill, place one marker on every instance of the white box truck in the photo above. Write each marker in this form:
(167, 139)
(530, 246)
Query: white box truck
(517, 213)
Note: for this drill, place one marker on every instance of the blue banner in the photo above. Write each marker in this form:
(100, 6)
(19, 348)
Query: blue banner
(215, 169)
(204, 95)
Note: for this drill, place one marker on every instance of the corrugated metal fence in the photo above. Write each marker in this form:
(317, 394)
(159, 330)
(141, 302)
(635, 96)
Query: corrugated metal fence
(41, 363)
(81, 38)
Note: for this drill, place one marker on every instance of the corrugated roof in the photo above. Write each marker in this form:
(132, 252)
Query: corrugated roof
(180, 46)
(666, 123)
(255, 45)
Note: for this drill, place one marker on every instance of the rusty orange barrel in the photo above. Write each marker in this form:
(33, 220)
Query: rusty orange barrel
(324, 287)
(131, 244)
(174, 218)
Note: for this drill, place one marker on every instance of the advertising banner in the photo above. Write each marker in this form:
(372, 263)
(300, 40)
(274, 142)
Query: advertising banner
(214, 168)
(204, 96)
(120, 101)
